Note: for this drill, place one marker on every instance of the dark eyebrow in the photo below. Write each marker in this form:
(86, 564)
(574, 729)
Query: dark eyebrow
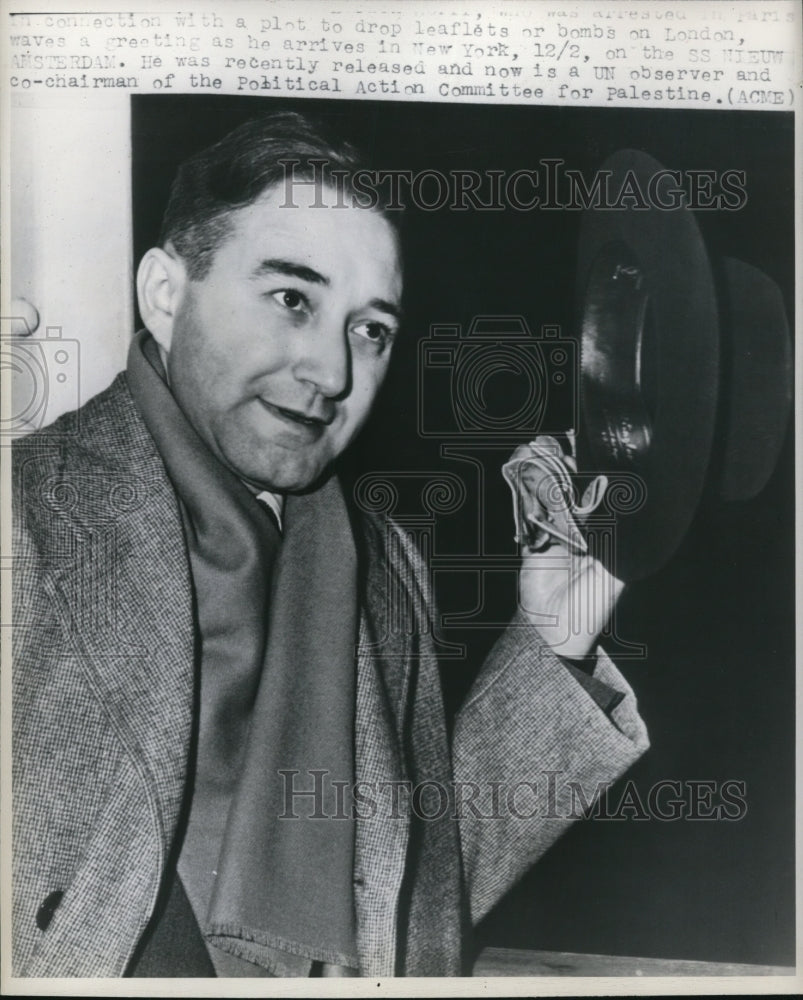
(291, 269)
(388, 307)
(274, 265)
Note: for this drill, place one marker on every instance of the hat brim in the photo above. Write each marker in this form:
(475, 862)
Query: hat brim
(649, 368)
(756, 396)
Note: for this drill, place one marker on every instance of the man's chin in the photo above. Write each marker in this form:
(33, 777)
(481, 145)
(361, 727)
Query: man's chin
(294, 479)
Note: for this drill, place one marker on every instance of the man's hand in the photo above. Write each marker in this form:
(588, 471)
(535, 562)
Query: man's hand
(568, 596)
(563, 590)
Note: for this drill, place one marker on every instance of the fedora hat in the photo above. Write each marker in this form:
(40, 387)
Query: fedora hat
(685, 371)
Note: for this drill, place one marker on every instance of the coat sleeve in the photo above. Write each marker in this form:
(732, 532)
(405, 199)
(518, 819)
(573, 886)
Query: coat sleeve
(532, 749)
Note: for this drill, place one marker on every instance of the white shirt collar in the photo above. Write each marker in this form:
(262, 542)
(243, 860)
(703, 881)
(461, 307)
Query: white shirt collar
(276, 503)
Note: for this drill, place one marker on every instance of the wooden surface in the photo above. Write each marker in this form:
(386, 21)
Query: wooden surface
(515, 962)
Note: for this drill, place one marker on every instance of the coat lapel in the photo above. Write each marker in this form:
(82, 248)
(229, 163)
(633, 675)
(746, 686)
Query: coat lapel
(123, 602)
(126, 605)
(407, 875)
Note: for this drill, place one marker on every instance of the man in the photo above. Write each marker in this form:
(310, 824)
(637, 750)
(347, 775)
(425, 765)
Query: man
(207, 781)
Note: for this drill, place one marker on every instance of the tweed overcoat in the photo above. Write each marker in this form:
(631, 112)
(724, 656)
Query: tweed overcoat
(102, 700)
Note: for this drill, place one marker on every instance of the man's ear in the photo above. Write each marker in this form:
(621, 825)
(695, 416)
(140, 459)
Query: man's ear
(161, 280)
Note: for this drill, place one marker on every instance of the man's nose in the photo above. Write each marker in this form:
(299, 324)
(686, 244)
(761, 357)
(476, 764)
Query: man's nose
(324, 360)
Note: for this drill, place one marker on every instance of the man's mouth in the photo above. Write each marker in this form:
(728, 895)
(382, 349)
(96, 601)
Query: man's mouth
(299, 417)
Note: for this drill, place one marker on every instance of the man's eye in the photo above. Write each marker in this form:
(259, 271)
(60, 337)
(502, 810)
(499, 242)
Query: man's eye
(375, 332)
(290, 299)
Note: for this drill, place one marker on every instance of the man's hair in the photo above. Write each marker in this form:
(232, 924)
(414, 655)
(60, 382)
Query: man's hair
(235, 171)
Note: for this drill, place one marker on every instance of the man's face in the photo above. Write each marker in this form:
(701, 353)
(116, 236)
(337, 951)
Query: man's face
(277, 354)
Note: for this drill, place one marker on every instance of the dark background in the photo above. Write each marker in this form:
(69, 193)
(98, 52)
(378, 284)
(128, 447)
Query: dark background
(717, 686)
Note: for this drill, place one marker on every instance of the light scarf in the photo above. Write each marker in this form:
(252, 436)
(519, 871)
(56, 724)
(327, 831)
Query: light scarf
(277, 623)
